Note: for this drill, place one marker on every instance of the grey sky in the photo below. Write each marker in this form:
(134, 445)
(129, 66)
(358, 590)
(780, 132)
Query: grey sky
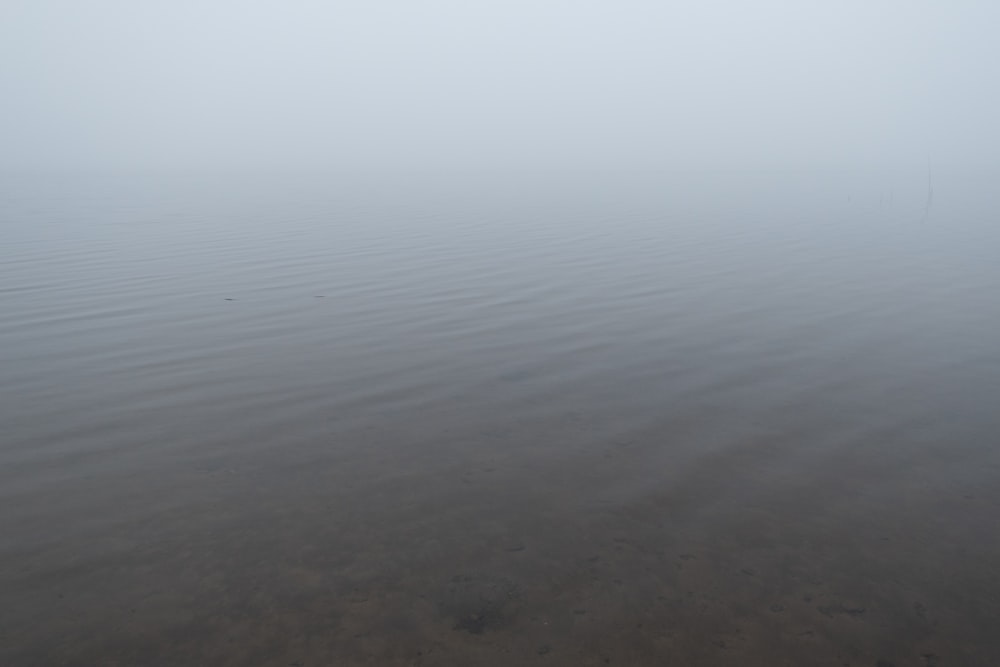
(149, 83)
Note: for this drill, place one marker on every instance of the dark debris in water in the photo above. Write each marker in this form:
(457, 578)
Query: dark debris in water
(479, 603)
(838, 609)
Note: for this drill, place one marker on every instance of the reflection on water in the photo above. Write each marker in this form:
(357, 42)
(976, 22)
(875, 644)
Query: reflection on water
(644, 419)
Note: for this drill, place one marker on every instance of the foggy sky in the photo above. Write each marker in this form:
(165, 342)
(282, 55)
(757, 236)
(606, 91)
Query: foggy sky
(467, 83)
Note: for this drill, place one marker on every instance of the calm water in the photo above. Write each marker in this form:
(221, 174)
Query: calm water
(632, 419)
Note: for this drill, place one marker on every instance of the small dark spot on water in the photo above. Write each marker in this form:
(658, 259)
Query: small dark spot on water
(838, 609)
(516, 547)
(747, 571)
(230, 299)
(544, 650)
(688, 557)
(473, 624)
(479, 603)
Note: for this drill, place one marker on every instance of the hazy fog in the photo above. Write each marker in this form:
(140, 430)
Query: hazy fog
(543, 83)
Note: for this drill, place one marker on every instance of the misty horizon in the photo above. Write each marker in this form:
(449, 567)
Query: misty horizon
(445, 85)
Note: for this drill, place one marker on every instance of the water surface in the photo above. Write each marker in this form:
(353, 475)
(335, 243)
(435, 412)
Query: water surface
(554, 419)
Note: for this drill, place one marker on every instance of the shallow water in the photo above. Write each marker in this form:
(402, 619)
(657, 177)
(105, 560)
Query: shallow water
(587, 419)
